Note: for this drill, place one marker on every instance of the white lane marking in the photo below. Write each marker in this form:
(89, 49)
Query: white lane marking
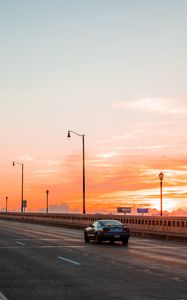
(53, 240)
(2, 297)
(71, 261)
(31, 247)
(20, 243)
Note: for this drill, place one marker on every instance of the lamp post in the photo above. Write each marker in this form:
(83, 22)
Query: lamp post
(21, 164)
(47, 194)
(161, 176)
(6, 209)
(83, 169)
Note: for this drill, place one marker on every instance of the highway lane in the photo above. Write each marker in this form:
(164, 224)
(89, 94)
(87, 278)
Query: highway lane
(47, 262)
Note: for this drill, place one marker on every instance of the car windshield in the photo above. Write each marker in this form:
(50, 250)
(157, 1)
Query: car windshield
(111, 223)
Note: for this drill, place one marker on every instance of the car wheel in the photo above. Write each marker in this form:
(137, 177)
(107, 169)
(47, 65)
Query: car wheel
(125, 242)
(86, 238)
(97, 239)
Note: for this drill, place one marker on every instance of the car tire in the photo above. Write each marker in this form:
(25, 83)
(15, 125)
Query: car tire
(124, 242)
(86, 238)
(97, 239)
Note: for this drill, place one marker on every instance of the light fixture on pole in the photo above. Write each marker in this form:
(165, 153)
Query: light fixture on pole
(83, 160)
(47, 194)
(6, 209)
(161, 177)
(21, 164)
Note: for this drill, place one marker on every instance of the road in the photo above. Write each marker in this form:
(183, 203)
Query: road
(39, 262)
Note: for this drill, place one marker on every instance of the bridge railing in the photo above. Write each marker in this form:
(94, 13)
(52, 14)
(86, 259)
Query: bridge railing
(144, 224)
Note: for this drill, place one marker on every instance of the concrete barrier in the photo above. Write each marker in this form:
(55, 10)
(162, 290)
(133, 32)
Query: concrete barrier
(160, 227)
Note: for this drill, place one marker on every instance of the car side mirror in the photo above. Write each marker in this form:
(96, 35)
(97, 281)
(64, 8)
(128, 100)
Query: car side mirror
(91, 225)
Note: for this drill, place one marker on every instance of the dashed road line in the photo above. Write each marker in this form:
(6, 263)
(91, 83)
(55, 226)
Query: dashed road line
(38, 247)
(2, 297)
(20, 243)
(68, 260)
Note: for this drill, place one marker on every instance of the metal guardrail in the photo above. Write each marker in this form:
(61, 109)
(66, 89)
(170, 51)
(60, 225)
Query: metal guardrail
(163, 227)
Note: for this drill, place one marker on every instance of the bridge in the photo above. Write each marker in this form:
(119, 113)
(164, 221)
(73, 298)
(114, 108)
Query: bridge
(147, 226)
(40, 261)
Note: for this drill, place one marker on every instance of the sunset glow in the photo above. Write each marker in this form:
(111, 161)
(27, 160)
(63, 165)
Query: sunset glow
(113, 71)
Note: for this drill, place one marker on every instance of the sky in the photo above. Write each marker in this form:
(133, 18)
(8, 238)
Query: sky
(114, 71)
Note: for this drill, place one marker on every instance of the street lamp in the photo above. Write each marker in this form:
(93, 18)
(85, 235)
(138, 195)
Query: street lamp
(47, 193)
(6, 204)
(161, 176)
(21, 164)
(83, 174)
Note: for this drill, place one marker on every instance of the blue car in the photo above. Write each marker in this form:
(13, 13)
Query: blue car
(107, 230)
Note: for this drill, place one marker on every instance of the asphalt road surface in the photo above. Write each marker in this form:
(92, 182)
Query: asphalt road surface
(39, 262)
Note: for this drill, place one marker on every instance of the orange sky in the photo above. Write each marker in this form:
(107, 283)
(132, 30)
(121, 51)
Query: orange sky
(111, 180)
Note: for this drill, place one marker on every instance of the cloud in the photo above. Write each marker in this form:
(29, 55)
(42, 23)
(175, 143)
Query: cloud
(154, 147)
(49, 162)
(108, 154)
(60, 208)
(57, 208)
(45, 171)
(25, 158)
(158, 105)
(54, 162)
(179, 212)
